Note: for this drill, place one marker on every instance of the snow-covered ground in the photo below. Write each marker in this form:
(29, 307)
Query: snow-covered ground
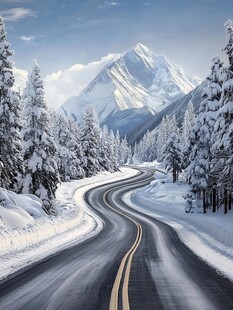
(209, 235)
(28, 234)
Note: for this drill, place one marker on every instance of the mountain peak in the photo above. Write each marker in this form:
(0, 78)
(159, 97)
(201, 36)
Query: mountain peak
(141, 51)
(142, 48)
(135, 79)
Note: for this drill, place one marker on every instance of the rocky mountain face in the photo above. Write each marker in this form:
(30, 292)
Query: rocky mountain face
(137, 79)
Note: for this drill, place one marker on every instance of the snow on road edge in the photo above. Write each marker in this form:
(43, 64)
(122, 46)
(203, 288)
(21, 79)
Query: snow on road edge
(208, 236)
(75, 223)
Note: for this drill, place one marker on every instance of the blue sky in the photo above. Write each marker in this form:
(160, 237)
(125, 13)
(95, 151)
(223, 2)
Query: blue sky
(60, 33)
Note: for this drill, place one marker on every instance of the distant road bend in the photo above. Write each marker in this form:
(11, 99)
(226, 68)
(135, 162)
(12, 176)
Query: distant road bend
(134, 262)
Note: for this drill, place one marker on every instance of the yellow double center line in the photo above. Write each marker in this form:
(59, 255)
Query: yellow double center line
(127, 260)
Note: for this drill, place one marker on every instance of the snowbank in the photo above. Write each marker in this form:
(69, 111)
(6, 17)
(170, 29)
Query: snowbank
(209, 235)
(39, 236)
(18, 210)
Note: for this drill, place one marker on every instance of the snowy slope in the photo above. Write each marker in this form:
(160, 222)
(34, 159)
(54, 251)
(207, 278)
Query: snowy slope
(136, 79)
(128, 121)
(177, 108)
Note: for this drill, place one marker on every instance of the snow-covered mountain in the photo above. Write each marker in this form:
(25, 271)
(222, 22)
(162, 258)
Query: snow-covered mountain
(135, 79)
(177, 108)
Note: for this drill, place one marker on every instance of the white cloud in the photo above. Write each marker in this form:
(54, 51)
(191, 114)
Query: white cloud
(61, 85)
(20, 78)
(17, 14)
(108, 4)
(111, 3)
(26, 38)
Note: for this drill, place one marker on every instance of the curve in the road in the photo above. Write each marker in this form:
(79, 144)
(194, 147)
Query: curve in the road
(82, 276)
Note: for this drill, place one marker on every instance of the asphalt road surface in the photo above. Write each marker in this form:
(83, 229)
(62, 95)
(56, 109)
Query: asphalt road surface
(135, 262)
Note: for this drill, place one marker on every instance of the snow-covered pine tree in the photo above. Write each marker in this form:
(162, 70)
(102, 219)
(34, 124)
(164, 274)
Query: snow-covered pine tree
(172, 156)
(188, 121)
(197, 170)
(135, 151)
(140, 150)
(201, 155)
(90, 138)
(213, 94)
(145, 151)
(112, 151)
(172, 126)
(125, 152)
(10, 143)
(150, 146)
(161, 138)
(223, 130)
(67, 161)
(105, 150)
(75, 145)
(39, 147)
(117, 147)
(166, 128)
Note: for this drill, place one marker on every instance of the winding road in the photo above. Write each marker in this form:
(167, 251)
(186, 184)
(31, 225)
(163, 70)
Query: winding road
(135, 262)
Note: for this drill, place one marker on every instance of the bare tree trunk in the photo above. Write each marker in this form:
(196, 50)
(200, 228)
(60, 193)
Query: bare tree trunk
(214, 199)
(33, 184)
(204, 201)
(173, 170)
(229, 201)
(207, 198)
(225, 200)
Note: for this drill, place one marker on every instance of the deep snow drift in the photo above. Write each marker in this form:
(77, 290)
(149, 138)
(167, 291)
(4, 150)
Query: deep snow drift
(18, 210)
(209, 235)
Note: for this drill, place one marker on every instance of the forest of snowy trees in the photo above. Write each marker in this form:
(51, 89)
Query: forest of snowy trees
(203, 146)
(39, 148)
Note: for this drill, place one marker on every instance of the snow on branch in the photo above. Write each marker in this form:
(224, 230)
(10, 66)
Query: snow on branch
(228, 26)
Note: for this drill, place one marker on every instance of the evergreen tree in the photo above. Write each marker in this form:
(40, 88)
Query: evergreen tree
(213, 94)
(199, 169)
(112, 151)
(105, 150)
(10, 143)
(145, 151)
(189, 119)
(67, 162)
(166, 128)
(172, 156)
(161, 138)
(75, 145)
(117, 147)
(38, 142)
(90, 138)
(125, 152)
(223, 130)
